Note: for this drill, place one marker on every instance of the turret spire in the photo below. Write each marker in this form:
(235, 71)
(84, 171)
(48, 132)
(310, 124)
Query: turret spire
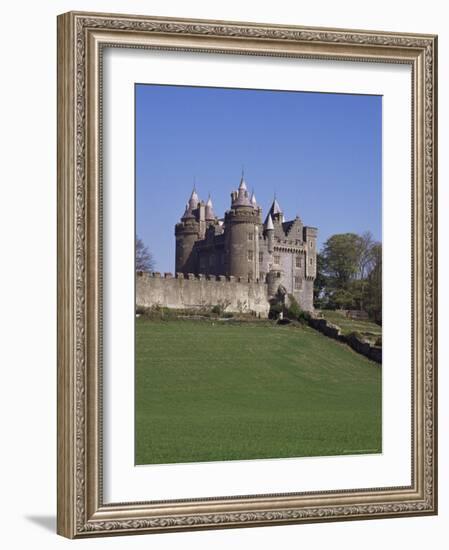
(253, 199)
(275, 211)
(209, 209)
(194, 194)
(275, 206)
(194, 198)
(241, 196)
(269, 224)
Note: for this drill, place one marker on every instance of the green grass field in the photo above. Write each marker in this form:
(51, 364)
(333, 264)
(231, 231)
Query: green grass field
(367, 328)
(226, 391)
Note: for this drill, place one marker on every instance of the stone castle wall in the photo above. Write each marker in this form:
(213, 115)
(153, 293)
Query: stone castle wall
(198, 291)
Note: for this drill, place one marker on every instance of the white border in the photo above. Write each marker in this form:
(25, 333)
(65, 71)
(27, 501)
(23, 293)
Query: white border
(123, 482)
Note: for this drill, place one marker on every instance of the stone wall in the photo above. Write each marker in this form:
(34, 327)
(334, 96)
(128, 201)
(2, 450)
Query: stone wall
(198, 291)
(360, 346)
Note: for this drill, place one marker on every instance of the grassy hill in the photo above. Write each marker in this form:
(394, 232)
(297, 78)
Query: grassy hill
(226, 391)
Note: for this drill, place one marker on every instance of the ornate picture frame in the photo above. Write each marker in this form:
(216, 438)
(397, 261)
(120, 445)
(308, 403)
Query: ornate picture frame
(82, 38)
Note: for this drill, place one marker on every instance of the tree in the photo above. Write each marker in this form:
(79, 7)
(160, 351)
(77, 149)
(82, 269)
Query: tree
(366, 263)
(341, 298)
(144, 258)
(341, 258)
(346, 273)
(320, 283)
(366, 254)
(374, 286)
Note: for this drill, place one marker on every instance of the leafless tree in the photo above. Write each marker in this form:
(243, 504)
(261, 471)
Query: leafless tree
(144, 258)
(367, 256)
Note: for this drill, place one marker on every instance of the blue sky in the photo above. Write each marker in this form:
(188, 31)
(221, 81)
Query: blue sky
(320, 153)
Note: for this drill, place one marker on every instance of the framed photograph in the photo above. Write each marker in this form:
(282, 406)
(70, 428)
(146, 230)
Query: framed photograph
(246, 274)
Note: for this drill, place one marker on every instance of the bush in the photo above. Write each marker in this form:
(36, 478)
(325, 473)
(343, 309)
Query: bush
(157, 312)
(379, 341)
(275, 310)
(304, 317)
(295, 313)
(167, 314)
(216, 309)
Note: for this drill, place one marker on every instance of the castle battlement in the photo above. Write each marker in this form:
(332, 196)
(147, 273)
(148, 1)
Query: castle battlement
(199, 291)
(199, 277)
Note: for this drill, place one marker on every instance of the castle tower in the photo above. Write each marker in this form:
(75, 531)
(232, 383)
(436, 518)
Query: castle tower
(310, 236)
(242, 224)
(187, 232)
(257, 236)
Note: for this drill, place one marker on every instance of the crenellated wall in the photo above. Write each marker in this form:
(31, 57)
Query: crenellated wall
(200, 291)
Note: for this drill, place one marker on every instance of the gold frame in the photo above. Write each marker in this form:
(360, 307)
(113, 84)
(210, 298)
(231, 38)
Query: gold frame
(81, 37)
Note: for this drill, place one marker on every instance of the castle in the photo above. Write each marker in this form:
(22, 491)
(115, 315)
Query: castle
(277, 253)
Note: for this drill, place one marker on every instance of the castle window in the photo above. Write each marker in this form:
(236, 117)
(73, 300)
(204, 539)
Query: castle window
(298, 261)
(311, 244)
(261, 257)
(277, 259)
(297, 283)
(250, 255)
(250, 236)
(311, 261)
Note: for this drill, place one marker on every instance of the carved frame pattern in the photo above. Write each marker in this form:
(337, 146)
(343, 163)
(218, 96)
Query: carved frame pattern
(81, 37)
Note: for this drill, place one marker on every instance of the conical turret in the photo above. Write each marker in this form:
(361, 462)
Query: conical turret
(187, 213)
(242, 184)
(210, 215)
(241, 196)
(194, 199)
(187, 232)
(269, 229)
(275, 212)
(253, 200)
